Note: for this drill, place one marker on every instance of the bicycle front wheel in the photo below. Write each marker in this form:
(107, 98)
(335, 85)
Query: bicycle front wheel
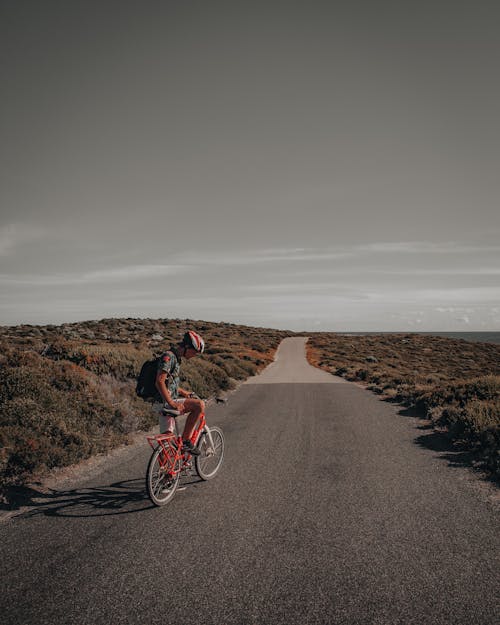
(160, 483)
(210, 459)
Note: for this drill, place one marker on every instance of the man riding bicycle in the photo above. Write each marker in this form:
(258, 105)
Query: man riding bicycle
(170, 396)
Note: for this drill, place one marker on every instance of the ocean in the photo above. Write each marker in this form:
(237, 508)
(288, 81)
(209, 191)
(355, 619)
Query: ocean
(475, 337)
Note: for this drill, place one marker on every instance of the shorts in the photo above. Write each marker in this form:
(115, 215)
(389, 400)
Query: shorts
(166, 422)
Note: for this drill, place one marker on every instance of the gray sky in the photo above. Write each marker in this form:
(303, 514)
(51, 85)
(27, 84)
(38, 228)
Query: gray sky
(302, 165)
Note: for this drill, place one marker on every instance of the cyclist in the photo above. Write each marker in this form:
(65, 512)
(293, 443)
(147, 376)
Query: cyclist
(171, 396)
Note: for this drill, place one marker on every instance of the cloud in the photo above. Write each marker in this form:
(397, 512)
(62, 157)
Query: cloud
(364, 270)
(343, 285)
(134, 272)
(481, 271)
(14, 235)
(421, 247)
(439, 296)
(254, 257)
(398, 247)
(301, 289)
(111, 275)
(369, 252)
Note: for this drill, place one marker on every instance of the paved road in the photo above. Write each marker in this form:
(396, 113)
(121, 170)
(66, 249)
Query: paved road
(291, 367)
(330, 508)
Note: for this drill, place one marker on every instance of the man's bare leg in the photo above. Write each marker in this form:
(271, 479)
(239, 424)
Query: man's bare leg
(195, 407)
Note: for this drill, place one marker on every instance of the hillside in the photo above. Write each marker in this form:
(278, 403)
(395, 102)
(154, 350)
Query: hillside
(453, 383)
(67, 392)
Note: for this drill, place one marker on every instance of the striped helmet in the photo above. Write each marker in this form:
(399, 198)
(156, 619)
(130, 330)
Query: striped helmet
(194, 340)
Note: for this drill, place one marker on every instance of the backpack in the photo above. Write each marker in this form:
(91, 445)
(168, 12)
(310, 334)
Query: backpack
(146, 381)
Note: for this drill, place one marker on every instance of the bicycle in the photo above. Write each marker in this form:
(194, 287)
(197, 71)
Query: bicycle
(169, 460)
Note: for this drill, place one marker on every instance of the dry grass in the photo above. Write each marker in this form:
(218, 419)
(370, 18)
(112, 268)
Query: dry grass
(67, 392)
(454, 383)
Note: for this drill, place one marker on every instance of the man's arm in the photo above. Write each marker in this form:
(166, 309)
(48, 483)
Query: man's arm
(161, 385)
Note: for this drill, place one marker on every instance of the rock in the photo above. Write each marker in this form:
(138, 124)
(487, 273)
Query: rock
(371, 359)
(157, 337)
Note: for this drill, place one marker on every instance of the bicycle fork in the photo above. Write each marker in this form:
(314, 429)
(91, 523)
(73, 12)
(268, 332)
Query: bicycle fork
(211, 449)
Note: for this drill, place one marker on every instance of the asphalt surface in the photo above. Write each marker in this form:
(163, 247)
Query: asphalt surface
(330, 508)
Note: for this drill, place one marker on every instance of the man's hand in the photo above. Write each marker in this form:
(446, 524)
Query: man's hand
(178, 407)
(187, 394)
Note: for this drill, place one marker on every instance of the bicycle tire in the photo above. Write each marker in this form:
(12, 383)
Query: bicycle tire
(208, 464)
(159, 486)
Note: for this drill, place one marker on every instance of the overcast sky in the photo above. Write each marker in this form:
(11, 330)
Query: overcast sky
(303, 165)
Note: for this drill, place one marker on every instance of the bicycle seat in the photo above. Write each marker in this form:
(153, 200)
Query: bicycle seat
(170, 412)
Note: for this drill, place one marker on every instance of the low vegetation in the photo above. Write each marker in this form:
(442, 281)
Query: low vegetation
(454, 383)
(68, 392)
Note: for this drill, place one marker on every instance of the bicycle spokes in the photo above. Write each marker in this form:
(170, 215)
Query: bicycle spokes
(169, 460)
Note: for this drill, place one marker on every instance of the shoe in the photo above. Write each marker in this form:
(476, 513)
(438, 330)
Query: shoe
(188, 446)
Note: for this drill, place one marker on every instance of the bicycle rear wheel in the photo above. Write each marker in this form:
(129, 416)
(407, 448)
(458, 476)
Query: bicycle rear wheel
(210, 459)
(160, 483)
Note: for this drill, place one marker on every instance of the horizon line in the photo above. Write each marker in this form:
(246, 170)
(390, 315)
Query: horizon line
(232, 323)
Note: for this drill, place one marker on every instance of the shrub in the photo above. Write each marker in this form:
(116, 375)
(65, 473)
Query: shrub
(67, 392)
(443, 378)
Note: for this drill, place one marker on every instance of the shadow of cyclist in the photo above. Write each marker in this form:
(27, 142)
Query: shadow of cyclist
(124, 497)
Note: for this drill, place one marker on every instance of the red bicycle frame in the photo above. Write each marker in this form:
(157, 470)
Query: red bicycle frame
(174, 458)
